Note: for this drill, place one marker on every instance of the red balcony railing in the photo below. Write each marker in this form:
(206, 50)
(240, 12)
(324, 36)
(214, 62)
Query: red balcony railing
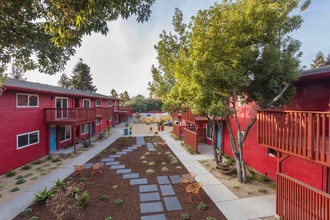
(60, 116)
(298, 133)
(104, 112)
(296, 200)
(123, 109)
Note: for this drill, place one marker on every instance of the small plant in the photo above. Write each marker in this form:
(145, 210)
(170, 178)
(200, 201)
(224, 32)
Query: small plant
(202, 206)
(163, 163)
(55, 160)
(20, 181)
(39, 161)
(28, 175)
(147, 153)
(108, 218)
(26, 167)
(272, 185)
(11, 173)
(150, 171)
(262, 191)
(43, 173)
(43, 196)
(34, 178)
(49, 157)
(210, 218)
(26, 212)
(118, 202)
(82, 199)
(82, 180)
(70, 178)
(165, 169)
(14, 189)
(185, 216)
(104, 198)
(236, 187)
(251, 171)
(151, 163)
(143, 157)
(114, 187)
(59, 184)
(113, 150)
(34, 218)
(168, 153)
(19, 177)
(178, 167)
(174, 162)
(263, 178)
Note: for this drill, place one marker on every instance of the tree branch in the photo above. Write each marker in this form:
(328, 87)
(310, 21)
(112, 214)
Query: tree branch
(286, 86)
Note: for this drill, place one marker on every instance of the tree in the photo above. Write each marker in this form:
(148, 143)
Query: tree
(52, 29)
(138, 104)
(64, 81)
(81, 78)
(318, 61)
(237, 49)
(125, 97)
(16, 72)
(327, 60)
(114, 93)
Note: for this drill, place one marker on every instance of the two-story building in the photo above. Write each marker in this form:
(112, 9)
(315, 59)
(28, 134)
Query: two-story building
(38, 119)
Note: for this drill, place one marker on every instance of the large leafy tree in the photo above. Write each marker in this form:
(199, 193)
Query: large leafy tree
(64, 81)
(81, 78)
(319, 60)
(125, 97)
(238, 49)
(44, 34)
(113, 93)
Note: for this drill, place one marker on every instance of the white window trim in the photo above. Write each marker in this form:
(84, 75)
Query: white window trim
(67, 100)
(88, 101)
(110, 101)
(61, 141)
(19, 148)
(86, 128)
(98, 100)
(27, 106)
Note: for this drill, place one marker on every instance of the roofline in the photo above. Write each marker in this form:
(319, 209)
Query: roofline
(323, 71)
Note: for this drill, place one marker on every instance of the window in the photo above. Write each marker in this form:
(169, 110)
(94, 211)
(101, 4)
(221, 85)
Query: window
(209, 133)
(87, 103)
(65, 133)
(27, 139)
(62, 104)
(110, 118)
(240, 101)
(98, 121)
(109, 103)
(84, 128)
(27, 100)
(98, 102)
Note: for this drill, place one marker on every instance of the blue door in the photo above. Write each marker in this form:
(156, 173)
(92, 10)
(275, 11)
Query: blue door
(91, 129)
(219, 138)
(52, 139)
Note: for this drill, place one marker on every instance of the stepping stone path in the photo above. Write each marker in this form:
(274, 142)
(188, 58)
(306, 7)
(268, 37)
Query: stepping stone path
(151, 195)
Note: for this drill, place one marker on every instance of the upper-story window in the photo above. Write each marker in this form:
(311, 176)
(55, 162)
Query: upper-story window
(98, 102)
(240, 101)
(27, 139)
(87, 103)
(27, 100)
(109, 103)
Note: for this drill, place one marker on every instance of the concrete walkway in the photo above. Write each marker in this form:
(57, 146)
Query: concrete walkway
(229, 204)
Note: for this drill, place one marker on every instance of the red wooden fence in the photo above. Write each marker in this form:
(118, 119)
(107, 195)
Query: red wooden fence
(191, 139)
(297, 200)
(177, 130)
(298, 133)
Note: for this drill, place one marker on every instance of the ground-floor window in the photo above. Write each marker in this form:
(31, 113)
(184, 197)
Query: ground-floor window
(27, 139)
(65, 133)
(84, 128)
(209, 133)
(110, 118)
(98, 122)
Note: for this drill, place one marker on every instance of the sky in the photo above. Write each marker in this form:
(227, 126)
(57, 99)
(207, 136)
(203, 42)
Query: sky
(122, 60)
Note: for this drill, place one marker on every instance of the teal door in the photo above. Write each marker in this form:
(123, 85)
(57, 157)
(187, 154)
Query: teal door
(52, 139)
(219, 138)
(91, 129)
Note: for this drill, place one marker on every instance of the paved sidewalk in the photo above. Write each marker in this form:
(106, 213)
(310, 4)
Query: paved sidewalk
(229, 204)
(15, 205)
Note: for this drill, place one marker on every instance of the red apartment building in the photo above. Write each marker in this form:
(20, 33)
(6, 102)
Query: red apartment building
(290, 145)
(38, 119)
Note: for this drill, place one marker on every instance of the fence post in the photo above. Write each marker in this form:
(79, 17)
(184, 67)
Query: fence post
(310, 135)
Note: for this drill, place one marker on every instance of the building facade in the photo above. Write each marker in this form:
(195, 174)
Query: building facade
(38, 119)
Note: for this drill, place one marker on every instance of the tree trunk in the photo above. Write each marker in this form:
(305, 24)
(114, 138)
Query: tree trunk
(215, 152)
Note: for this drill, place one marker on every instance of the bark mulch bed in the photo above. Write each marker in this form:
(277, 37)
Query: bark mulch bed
(116, 188)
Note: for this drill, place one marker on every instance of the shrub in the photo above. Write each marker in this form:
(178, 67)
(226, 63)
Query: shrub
(115, 187)
(210, 218)
(151, 163)
(59, 184)
(118, 202)
(174, 162)
(55, 160)
(14, 189)
(49, 157)
(202, 206)
(147, 153)
(25, 212)
(263, 178)
(113, 150)
(168, 153)
(104, 198)
(11, 173)
(26, 167)
(20, 181)
(185, 216)
(43, 196)
(34, 218)
(82, 199)
(178, 167)
(143, 157)
(108, 218)
(19, 177)
(28, 175)
(251, 171)
(165, 169)
(82, 180)
(39, 161)
(144, 161)
(70, 178)
(150, 171)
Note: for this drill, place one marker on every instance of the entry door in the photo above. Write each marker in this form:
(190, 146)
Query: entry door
(91, 129)
(52, 139)
(219, 138)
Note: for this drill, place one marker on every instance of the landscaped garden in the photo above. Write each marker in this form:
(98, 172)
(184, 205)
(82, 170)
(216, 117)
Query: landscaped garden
(136, 181)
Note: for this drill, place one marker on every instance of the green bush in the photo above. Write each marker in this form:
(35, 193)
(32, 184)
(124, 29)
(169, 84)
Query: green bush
(82, 199)
(34, 218)
(10, 173)
(202, 206)
(49, 157)
(82, 180)
(37, 162)
(165, 169)
(185, 216)
(115, 187)
(25, 212)
(43, 196)
(118, 202)
(20, 181)
(263, 178)
(150, 171)
(104, 198)
(59, 184)
(19, 177)
(55, 160)
(210, 218)
(14, 189)
(26, 167)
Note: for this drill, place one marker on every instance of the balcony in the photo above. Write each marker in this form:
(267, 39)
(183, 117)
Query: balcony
(69, 116)
(123, 110)
(304, 134)
(104, 112)
(189, 116)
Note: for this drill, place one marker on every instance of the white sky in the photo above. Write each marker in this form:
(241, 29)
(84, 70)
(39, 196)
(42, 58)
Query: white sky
(122, 60)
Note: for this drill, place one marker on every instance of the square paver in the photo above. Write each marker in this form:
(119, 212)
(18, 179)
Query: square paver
(115, 167)
(167, 190)
(138, 181)
(146, 197)
(107, 159)
(175, 179)
(172, 203)
(121, 153)
(127, 150)
(163, 180)
(112, 163)
(136, 145)
(149, 207)
(151, 149)
(148, 188)
(133, 148)
(121, 171)
(131, 176)
(88, 165)
(115, 156)
(154, 217)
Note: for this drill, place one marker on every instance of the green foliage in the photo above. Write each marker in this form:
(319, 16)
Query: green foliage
(81, 77)
(34, 218)
(252, 172)
(26, 167)
(49, 157)
(26, 212)
(14, 189)
(42, 196)
(150, 171)
(113, 150)
(165, 169)
(151, 163)
(49, 43)
(114, 187)
(36, 162)
(185, 216)
(118, 202)
(104, 198)
(10, 173)
(141, 104)
(202, 206)
(210, 218)
(263, 178)
(108, 218)
(82, 199)
(82, 179)
(55, 160)
(59, 184)
(20, 181)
